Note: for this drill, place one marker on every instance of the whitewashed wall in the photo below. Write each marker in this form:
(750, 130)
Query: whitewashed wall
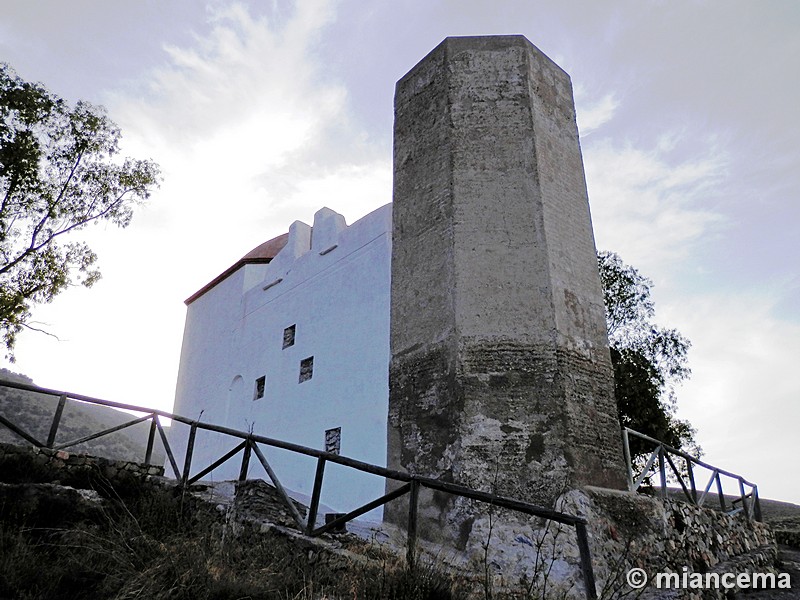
(333, 285)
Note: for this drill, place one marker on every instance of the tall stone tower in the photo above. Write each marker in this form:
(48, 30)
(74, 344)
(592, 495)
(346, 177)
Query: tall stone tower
(500, 374)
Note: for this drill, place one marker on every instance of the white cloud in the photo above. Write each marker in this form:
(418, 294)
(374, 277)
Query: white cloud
(593, 115)
(247, 114)
(245, 65)
(646, 206)
(742, 395)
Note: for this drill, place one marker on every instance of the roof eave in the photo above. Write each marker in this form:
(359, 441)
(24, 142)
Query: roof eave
(224, 275)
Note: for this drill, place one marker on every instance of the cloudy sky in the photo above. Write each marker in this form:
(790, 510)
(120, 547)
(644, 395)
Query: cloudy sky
(261, 112)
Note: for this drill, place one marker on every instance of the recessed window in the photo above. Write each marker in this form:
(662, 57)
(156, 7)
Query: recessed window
(261, 383)
(306, 369)
(288, 336)
(333, 440)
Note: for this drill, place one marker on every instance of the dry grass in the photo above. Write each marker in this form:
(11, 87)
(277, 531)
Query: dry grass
(151, 543)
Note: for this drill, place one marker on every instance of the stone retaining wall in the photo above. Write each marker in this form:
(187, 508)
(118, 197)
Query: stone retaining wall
(626, 530)
(256, 498)
(60, 465)
(633, 530)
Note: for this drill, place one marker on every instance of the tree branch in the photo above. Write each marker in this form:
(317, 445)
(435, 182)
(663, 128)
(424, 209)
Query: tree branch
(32, 249)
(78, 160)
(32, 328)
(59, 175)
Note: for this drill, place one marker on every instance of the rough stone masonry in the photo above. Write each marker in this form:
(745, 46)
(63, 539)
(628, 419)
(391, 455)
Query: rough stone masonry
(500, 374)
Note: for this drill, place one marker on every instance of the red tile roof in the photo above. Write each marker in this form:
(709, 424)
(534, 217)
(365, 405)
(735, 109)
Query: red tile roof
(261, 254)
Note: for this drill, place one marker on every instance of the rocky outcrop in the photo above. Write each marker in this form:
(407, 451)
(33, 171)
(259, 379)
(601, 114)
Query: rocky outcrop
(48, 505)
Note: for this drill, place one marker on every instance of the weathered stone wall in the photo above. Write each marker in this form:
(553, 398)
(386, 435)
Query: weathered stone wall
(256, 497)
(60, 465)
(500, 375)
(625, 530)
(632, 530)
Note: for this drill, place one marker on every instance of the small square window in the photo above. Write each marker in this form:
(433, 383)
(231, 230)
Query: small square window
(306, 369)
(333, 440)
(261, 383)
(288, 336)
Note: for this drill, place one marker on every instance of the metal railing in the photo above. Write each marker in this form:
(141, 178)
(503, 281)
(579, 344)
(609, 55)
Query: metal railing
(250, 445)
(661, 458)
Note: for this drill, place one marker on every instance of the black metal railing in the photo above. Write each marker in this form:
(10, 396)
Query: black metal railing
(661, 458)
(250, 444)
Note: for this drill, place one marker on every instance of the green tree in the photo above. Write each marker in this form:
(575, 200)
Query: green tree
(59, 172)
(649, 361)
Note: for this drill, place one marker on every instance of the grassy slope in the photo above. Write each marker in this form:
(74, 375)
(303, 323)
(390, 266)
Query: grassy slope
(146, 540)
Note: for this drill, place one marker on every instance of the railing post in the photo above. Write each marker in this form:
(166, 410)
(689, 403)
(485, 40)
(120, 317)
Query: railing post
(148, 454)
(626, 447)
(720, 494)
(757, 504)
(411, 542)
(51, 437)
(690, 471)
(662, 471)
(187, 464)
(745, 507)
(315, 494)
(173, 463)
(248, 448)
(586, 561)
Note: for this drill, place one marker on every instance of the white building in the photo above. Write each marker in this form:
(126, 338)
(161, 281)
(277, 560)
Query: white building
(293, 341)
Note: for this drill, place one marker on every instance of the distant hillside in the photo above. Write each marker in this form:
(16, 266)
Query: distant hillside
(34, 414)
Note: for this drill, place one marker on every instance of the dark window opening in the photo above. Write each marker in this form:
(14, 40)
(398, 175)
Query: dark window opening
(306, 369)
(333, 440)
(288, 336)
(261, 383)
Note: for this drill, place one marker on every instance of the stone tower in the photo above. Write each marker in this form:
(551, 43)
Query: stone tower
(500, 374)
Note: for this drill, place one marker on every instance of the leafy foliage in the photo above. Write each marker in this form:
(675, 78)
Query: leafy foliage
(649, 361)
(59, 172)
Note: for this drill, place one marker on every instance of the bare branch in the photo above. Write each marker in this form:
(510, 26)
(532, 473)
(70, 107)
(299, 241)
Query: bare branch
(39, 330)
